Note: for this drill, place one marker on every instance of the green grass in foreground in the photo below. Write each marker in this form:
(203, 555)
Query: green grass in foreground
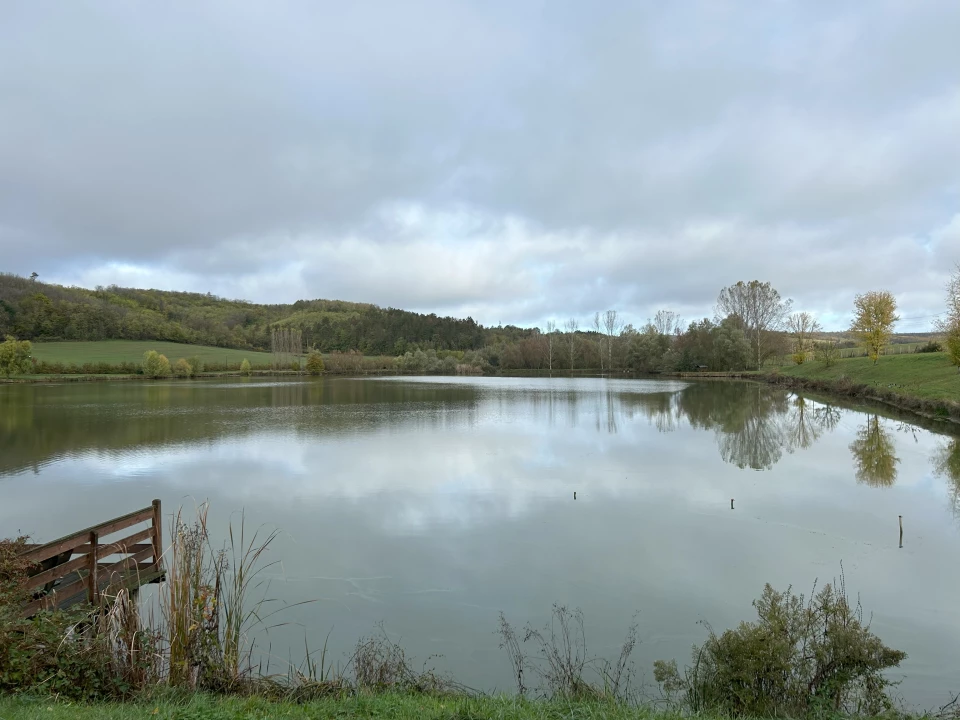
(400, 707)
(118, 351)
(923, 375)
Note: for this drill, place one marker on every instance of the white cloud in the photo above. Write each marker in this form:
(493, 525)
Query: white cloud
(491, 159)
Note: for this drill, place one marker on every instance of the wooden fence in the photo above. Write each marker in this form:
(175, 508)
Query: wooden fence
(57, 579)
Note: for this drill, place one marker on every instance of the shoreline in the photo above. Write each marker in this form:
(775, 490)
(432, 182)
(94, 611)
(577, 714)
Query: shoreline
(127, 377)
(842, 388)
(941, 410)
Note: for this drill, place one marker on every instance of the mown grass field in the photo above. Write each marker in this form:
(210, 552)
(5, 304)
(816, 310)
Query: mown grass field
(399, 707)
(118, 351)
(924, 375)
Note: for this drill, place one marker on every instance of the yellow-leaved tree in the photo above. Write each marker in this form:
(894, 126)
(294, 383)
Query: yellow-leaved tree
(155, 365)
(14, 356)
(875, 314)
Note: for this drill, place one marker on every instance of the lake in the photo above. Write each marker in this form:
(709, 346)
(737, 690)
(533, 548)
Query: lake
(433, 504)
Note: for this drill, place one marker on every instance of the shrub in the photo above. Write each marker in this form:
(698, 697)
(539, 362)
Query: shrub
(196, 366)
(448, 365)
(182, 369)
(931, 347)
(379, 664)
(560, 663)
(245, 367)
(345, 363)
(799, 357)
(63, 653)
(14, 356)
(827, 352)
(843, 384)
(155, 365)
(798, 657)
(315, 364)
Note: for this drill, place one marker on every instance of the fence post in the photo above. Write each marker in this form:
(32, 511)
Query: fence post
(93, 585)
(157, 535)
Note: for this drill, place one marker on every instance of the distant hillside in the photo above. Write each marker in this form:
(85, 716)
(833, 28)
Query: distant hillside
(40, 311)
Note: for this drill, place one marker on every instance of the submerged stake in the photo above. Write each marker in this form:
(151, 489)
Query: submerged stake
(731, 503)
(900, 518)
(574, 494)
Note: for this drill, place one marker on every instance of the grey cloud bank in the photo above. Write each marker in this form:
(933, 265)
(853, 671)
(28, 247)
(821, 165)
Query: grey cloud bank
(512, 161)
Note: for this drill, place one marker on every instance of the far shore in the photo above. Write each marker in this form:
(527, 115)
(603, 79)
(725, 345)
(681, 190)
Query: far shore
(881, 387)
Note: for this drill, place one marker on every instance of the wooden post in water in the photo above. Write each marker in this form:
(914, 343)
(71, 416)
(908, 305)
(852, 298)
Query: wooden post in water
(900, 517)
(93, 586)
(157, 534)
(731, 503)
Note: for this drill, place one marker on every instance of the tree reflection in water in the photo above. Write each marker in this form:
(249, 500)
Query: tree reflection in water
(755, 423)
(874, 454)
(946, 464)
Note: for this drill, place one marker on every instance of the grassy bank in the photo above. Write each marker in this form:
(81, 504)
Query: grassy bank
(115, 352)
(924, 383)
(389, 705)
(928, 376)
(122, 359)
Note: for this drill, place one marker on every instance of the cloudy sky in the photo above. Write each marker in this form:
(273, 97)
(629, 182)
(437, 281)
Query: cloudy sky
(509, 160)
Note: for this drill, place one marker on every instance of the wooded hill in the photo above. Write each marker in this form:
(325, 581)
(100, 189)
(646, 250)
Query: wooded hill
(38, 311)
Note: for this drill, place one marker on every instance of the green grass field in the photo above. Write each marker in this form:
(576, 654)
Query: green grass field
(895, 349)
(399, 707)
(923, 375)
(118, 351)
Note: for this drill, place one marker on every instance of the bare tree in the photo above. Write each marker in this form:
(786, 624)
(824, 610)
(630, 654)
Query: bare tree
(802, 326)
(759, 308)
(286, 343)
(551, 329)
(598, 327)
(612, 324)
(666, 322)
(571, 327)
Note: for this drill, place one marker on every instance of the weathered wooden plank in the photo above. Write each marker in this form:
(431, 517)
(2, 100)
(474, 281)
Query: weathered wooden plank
(83, 578)
(69, 542)
(144, 574)
(108, 528)
(56, 598)
(123, 547)
(49, 564)
(157, 533)
(118, 546)
(119, 567)
(93, 591)
(56, 572)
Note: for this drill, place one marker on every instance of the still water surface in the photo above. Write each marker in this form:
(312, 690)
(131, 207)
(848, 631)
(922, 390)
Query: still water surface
(432, 504)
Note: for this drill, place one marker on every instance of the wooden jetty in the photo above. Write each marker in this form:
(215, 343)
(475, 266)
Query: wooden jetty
(103, 564)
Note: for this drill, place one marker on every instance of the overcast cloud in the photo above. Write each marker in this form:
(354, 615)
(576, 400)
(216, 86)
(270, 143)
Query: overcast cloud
(509, 160)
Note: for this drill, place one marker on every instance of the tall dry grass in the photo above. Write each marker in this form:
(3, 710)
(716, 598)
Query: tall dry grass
(212, 601)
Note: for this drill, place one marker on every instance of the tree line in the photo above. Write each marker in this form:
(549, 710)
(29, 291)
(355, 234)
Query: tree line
(751, 324)
(37, 311)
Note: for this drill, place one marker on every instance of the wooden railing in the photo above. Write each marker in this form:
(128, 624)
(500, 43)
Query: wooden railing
(57, 581)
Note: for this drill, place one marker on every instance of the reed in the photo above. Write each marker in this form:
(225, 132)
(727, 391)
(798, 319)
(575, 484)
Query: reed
(207, 603)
